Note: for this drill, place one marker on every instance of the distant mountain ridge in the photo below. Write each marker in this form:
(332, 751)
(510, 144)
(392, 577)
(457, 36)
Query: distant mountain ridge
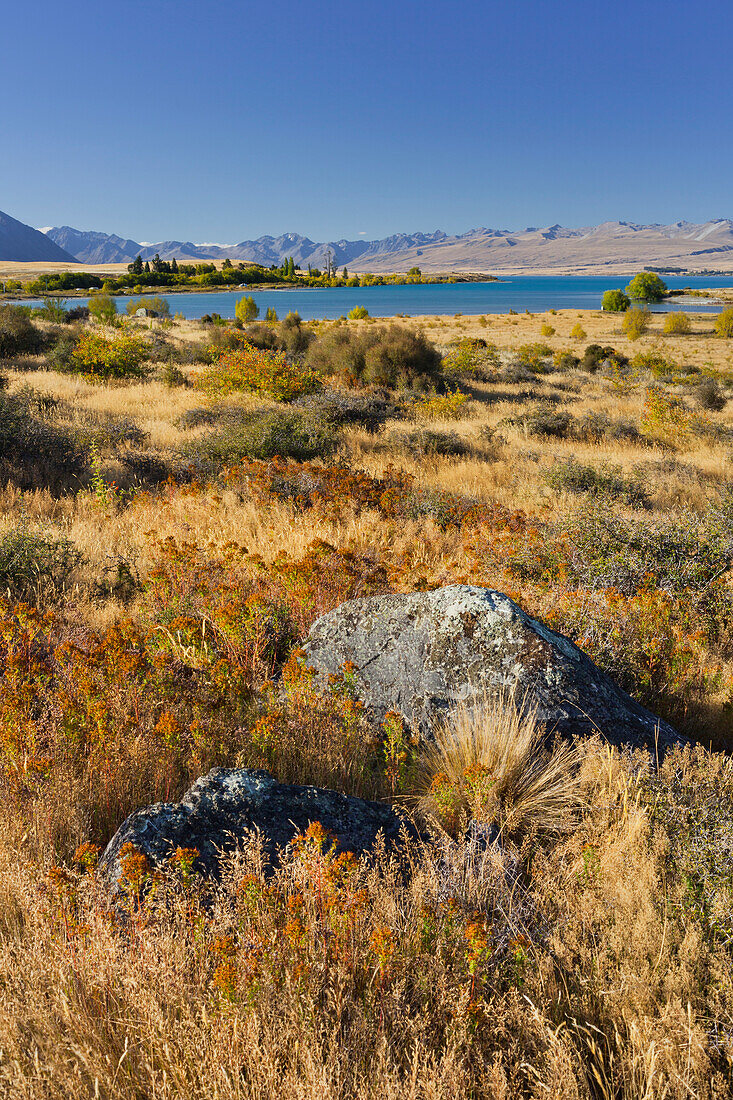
(610, 246)
(21, 242)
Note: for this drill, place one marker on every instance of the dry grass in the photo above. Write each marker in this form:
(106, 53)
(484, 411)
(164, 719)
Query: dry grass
(586, 953)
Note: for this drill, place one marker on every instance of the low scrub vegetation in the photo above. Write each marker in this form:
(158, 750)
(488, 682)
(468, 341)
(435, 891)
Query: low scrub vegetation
(561, 926)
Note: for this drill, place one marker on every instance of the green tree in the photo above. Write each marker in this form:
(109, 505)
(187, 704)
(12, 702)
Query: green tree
(358, 313)
(724, 323)
(246, 310)
(103, 308)
(416, 272)
(647, 286)
(270, 315)
(615, 301)
(226, 265)
(344, 274)
(636, 322)
(291, 268)
(136, 267)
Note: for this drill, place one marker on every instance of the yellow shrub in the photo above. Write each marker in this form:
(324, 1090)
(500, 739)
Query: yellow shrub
(441, 406)
(250, 369)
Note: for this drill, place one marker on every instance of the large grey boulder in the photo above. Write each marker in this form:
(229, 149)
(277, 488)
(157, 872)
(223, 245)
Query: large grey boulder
(423, 653)
(221, 807)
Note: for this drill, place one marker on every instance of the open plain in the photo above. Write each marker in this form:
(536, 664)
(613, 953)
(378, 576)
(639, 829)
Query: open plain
(181, 502)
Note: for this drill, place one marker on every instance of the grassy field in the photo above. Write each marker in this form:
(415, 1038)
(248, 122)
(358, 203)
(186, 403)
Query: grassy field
(173, 518)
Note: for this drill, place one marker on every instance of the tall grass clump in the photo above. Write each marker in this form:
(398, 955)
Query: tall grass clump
(490, 762)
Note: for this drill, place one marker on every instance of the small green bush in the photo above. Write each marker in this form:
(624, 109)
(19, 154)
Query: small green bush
(426, 443)
(572, 476)
(565, 360)
(596, 354)
(35, 452)
(472, 359)
(103, 308)
(289, 433)
(358, 313)
(389, 356)
(18, 334)
(156, 304)
(35, 568)
(534, 357)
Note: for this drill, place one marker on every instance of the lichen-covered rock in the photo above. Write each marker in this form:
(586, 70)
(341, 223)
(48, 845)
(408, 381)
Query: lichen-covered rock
(222, 806)
(423, 653)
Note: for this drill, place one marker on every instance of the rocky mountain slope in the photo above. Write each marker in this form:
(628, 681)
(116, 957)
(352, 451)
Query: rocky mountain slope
(611, 246)
(20, 242)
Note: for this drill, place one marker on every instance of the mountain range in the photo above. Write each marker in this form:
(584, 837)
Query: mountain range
(611, 247)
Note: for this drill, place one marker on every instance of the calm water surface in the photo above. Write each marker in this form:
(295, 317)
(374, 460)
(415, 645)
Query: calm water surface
(535, 293)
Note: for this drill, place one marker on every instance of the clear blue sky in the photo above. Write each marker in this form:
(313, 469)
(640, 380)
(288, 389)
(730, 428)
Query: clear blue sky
(220, 120)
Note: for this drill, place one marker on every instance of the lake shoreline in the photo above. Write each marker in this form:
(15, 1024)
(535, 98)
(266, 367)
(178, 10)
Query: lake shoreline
(534, 295)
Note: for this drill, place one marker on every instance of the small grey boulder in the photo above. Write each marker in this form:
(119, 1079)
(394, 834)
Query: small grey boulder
(222, 806)
(421, 654)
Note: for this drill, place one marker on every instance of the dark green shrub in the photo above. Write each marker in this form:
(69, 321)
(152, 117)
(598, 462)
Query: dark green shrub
(565, 360)
(544, 421)
(18, 334)
(426, 443)
(596, 354)
(401, 359)
(710, 395)
(534, 357)
(345, 408)
(147, 467)
(34, 567)
(263, 337)
(293, 338)
(389, 356)
(572, 476)
(35, 452)
(60, 356)
(471, 358)
(289, 433)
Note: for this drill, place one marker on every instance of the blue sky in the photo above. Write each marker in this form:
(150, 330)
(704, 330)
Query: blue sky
(220, 120)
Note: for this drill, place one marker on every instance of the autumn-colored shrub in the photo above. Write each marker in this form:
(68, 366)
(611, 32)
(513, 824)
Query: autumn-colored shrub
(676, 324)
(98, 358)
(257, 370)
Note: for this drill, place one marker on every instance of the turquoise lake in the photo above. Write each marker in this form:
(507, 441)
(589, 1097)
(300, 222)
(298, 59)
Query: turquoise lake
(535, 293)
